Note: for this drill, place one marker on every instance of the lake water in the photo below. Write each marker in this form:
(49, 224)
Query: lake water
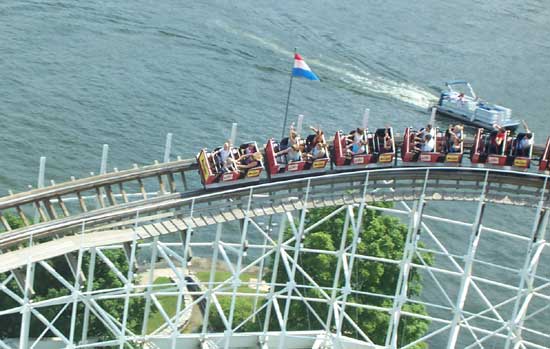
(76, 75)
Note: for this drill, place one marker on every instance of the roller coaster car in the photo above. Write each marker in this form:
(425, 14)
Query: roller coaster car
(544, 163)
(279, 167)
(378, 150)
(521, 153)
(440, 154)
(215, 174)
(485, 152)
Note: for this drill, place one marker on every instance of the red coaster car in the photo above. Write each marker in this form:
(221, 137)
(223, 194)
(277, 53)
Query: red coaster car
(438, 148)
(289, 162)
(235, 166)
(544, 163)
(361, 149)
(497, 149)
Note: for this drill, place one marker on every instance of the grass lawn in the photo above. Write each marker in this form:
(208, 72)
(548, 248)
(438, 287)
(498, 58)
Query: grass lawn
(244, 305)
(221, 276)
(169, 303)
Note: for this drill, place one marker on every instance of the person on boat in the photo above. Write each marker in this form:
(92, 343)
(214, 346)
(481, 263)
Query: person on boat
(460, 98)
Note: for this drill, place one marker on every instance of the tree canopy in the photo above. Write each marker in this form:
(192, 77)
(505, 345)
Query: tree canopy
(46, 286)
(380, 236)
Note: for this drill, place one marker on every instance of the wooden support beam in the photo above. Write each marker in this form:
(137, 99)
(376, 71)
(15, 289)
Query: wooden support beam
(22, 215)
(142, 188)
(41, 212)
(184, 180)
(63, 206)
(161, 185)
(5, 222)
(81, 201)
(99, 196)
(50, 209)
(123, 193)
(172, 182)
(110, 195)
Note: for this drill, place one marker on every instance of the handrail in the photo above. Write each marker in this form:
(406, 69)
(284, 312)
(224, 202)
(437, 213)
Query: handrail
(92, 182)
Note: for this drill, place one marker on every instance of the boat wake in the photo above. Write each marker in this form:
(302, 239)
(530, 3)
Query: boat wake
(364, 81)
(358, 79)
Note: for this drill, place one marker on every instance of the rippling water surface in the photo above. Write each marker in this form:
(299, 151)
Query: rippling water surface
(75, 75)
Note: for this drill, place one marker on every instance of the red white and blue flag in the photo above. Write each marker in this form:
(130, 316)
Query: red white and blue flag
(302, 69)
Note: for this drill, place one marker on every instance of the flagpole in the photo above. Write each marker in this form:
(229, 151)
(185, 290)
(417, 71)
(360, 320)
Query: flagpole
(288, 97)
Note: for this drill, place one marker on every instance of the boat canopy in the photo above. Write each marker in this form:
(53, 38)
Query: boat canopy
(465, 83)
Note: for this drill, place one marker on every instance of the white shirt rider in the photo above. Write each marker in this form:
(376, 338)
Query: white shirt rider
(224, 154)
(428, 145)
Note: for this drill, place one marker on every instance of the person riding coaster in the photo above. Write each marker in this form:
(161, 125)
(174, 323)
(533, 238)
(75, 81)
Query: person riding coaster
(247, 161)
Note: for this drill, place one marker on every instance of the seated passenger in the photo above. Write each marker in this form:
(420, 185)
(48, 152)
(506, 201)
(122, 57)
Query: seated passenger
(387, 144)
(456, 147)
(221, 157)
(449, 137)
(292, 153)
(312, 140)
(319, 152)
(429, 130)
(293, 138)
(525, 144)
(356, 141)
(250, 149)
(458, 129)
(428, 145)
(252, 160)
(356, 148)
(498, 141)
(355, 136)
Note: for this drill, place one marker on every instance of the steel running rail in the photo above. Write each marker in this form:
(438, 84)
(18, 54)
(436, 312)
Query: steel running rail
(390, 184)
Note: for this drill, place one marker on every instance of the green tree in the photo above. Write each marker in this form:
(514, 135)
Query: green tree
(243, 309)
(46, 286)
(380, 236)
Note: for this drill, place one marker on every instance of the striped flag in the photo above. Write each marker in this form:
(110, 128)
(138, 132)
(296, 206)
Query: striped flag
(302, 69)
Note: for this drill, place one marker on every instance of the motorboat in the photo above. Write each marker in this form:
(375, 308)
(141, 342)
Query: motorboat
(460, 102)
